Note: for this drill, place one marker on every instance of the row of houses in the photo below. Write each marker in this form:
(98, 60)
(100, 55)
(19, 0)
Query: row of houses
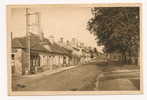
(46, 54)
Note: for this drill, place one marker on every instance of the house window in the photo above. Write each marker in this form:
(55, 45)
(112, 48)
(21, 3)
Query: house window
(13, 56)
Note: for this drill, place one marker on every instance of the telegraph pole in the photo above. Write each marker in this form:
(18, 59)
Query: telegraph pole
(28, 36)
(28, 40)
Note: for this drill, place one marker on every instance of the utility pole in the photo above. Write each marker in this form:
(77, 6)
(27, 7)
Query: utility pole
(28, 40)
(28, 35)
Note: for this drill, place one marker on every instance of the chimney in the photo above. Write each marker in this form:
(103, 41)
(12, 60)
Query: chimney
(51, 38)
(67, 43)
(61, 39)
(73, 41)
(77, 43)
(41, 35)
(82, 44)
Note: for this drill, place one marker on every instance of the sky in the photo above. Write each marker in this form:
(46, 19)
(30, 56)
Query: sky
(67, 22)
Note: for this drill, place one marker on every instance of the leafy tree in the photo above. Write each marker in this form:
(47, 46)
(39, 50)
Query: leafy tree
(117, 28)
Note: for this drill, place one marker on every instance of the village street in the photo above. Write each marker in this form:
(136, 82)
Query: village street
(59, 52)
(84, 78)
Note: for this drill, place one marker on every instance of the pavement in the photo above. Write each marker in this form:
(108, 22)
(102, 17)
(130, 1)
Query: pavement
(88, 77)
(18, 80)
(81, 78)
(48, 72)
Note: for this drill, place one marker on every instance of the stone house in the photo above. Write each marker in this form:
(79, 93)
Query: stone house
(44, 55)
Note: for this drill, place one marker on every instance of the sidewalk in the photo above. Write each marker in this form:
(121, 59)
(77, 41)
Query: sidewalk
(48, 72)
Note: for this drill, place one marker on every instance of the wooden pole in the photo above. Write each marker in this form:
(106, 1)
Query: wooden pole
(28, 40)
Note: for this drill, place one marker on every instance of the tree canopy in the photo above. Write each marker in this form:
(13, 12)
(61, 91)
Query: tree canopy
(116, 28)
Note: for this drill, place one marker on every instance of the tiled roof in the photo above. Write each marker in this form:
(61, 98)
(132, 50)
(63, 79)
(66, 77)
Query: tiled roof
(36, 44)
(60, 49)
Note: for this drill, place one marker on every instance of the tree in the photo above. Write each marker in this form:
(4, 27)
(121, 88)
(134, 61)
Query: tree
(117, 28)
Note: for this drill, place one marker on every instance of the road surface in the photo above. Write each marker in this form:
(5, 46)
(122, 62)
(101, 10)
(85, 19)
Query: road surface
(80, 78)
(84, 78)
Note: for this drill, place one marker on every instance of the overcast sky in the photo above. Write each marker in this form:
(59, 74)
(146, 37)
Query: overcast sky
(67, 22)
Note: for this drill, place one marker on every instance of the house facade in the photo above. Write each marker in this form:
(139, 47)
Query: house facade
(45, 54)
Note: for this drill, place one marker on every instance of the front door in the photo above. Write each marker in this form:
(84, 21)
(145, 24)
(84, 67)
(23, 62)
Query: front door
(34, 63)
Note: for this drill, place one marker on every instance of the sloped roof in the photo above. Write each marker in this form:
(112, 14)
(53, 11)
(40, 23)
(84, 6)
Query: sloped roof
(60, 49)
(36, 44)
(21, 42)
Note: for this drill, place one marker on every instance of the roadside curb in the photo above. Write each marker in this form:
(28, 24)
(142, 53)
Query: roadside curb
(99, 76)
(48, 72)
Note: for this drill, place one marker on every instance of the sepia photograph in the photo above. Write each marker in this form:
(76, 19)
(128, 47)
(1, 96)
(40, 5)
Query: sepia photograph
(74, 49)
